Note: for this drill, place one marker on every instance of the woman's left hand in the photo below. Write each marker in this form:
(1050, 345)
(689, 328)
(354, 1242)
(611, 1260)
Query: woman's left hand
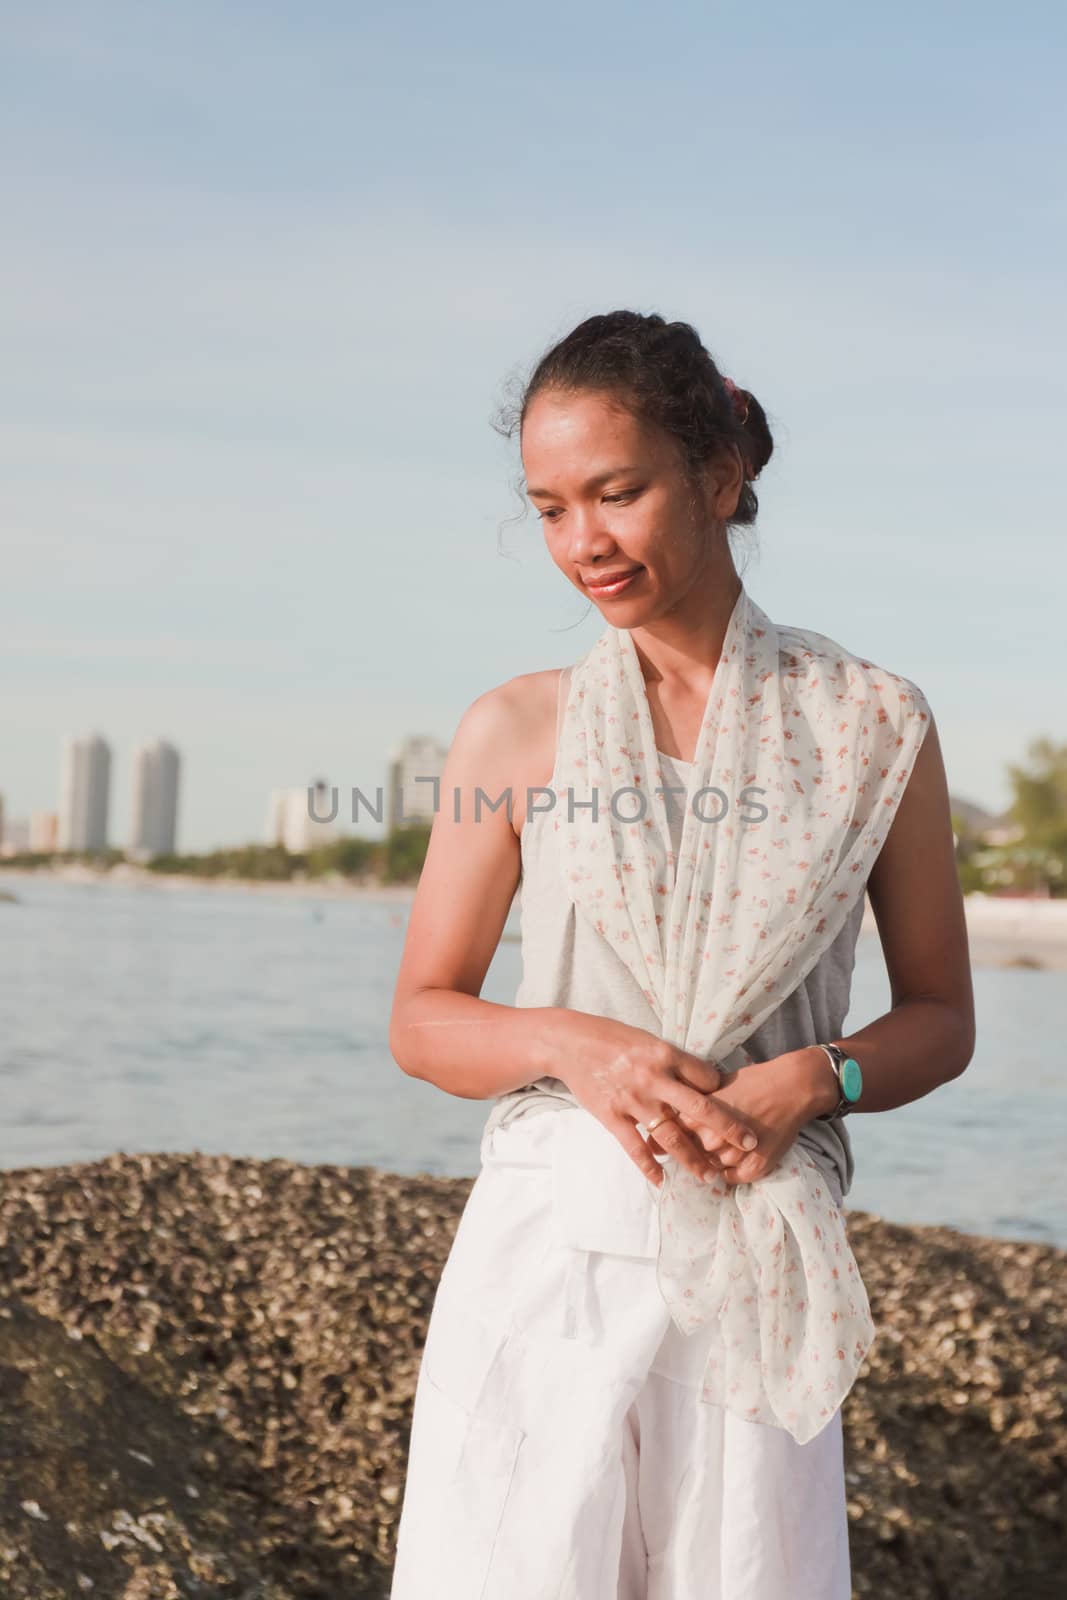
(778, 1097)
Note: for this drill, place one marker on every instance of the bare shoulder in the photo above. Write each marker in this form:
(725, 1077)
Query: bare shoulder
(473, 861)
(506, 739)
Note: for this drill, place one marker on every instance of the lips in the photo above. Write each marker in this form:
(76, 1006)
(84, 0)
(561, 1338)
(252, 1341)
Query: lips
(611, 582)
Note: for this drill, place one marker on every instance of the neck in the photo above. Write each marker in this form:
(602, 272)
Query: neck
(679, 652)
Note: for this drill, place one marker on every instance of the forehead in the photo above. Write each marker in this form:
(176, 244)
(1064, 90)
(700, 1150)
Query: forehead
(563, 434)
(554, 417)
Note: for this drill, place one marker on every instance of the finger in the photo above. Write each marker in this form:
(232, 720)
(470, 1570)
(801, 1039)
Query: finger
(702, 1075)
(638, 1149)
(710, 1159)
(731, 1156)
(712, 1146)
(734, 1177)
(707, 1076)
(684, 1146)
(727, 1158)
(710, 1115)
(712, 1142)
(751, 1170)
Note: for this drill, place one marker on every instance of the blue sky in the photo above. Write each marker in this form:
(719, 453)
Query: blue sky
(268, 270)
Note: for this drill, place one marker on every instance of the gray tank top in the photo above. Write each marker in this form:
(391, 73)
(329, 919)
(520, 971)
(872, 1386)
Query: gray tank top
(566, 963)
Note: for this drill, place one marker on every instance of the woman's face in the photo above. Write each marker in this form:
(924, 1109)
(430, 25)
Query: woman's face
(615, 503)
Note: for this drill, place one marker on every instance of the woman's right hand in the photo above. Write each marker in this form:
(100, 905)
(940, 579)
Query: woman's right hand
(625, 1076)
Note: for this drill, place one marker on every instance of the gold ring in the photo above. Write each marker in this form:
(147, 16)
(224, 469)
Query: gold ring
(666, 1117)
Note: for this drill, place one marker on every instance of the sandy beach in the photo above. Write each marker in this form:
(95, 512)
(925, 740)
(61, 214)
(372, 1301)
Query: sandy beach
(207, 1368)
(1012, 932)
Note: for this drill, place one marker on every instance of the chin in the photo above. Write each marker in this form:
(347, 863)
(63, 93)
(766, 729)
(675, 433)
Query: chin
(643, 607)
(622, 614)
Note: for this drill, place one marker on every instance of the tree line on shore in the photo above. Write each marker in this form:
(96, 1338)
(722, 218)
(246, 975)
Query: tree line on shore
(1022, 852)
(395, 859)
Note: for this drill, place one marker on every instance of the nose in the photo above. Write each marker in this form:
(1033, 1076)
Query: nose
(588, 539)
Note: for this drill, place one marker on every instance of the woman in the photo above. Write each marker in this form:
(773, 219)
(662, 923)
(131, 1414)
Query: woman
(633, 1371)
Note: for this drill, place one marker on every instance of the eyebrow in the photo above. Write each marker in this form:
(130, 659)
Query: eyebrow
(590, 483)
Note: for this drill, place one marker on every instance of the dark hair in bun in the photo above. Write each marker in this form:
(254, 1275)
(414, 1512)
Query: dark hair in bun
(661, 372)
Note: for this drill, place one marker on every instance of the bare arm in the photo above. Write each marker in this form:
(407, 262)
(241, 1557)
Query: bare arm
(442, 1031)
(928, 1036)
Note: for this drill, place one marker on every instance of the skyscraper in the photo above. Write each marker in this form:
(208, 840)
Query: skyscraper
(410, 794)
(293, 818)
(85, 782)
(154, 799)
(44, 830)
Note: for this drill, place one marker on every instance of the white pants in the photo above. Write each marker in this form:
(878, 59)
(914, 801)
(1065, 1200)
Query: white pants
(559, 1448)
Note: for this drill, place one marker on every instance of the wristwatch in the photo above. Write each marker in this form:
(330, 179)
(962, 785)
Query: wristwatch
(849, 1081)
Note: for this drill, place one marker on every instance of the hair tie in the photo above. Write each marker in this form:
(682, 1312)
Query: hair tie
(739, 399)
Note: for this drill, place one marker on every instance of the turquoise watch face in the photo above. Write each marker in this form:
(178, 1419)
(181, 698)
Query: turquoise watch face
(851, 1079)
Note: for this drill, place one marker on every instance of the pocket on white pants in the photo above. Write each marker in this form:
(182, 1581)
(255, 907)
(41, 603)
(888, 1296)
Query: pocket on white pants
(461, 1463)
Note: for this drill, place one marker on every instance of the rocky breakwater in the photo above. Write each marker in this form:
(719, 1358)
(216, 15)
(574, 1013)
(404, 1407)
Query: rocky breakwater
(207, 1367)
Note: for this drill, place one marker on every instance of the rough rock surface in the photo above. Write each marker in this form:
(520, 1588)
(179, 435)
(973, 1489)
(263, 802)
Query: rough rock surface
(207, 1366)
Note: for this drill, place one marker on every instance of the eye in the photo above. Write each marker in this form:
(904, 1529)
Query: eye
(551, 515)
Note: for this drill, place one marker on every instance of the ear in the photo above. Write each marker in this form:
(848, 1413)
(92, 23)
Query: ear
(718, 485)
(726, 479)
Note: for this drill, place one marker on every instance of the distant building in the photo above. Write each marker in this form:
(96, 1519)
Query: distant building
(290, 821)
(409, 802)
(44, 832)
(85, 783)
(277, 811)
(16, 837)
(154, 800)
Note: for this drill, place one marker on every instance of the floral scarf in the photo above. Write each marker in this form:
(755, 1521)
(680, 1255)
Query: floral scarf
(803, 754)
